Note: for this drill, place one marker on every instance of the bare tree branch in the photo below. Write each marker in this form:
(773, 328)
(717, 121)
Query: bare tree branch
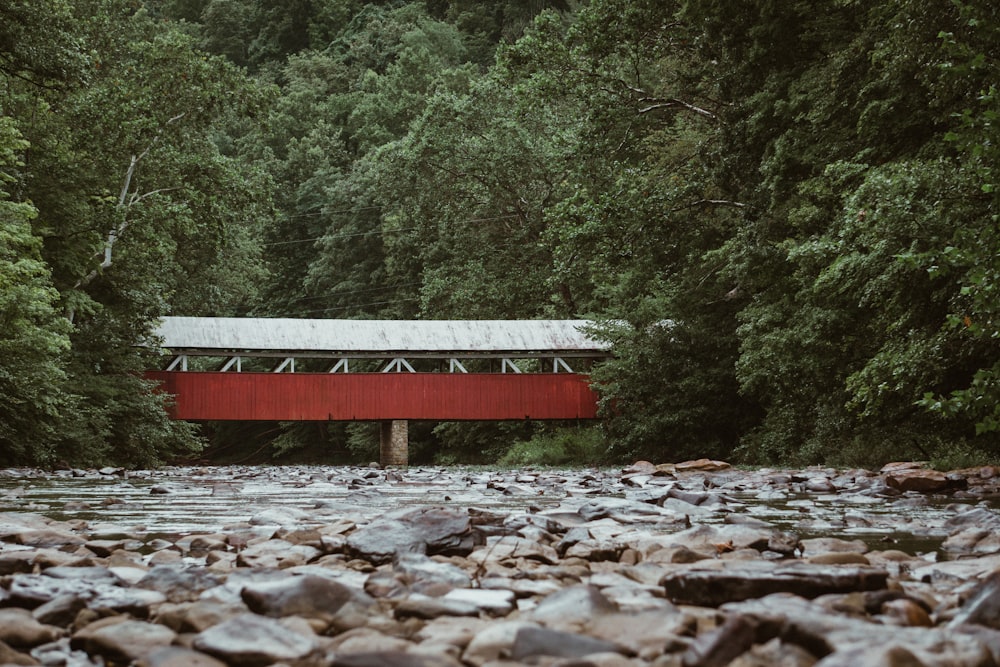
(710, 202)
(124, 202)
(667, 104)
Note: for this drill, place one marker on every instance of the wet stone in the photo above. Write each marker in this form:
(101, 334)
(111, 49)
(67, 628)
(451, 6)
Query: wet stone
(427, 531)
(530, 642)
(19, 629)
(126, 641)
(711, 588)
(495, 602)
(60, 611)
(306, 596)
(392, 659)
(253, 641)
(924, 481)
(663, 565)
(177, 656)
(276, 554)
(178, 584)
(417, 607)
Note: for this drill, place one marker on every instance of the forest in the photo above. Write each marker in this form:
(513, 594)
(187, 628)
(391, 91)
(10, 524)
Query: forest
(806, 191)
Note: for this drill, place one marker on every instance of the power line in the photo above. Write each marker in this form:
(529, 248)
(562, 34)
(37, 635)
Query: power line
(324, 212)
(339, 236)
(330, 295)
(381, 231)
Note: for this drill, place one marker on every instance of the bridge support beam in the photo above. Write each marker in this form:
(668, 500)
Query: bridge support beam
(394, 442)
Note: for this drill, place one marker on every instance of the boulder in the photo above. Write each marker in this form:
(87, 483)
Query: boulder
(308, 596)
(126, 641)
(701, 465)
(429, 530)
(532, 642)
(250, 640)
(921, 480)
(745, 581)
(18, 628)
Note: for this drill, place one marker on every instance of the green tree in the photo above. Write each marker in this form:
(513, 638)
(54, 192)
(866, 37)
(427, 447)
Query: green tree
(33, 335)
(139, 212)
(968, 256)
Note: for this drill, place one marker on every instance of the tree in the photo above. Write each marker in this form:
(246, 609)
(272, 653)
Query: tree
(33, 336)
(137, 209)
(968, 256)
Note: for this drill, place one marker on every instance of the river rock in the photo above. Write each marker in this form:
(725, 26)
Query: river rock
(982, 606)
(976, 541)
(96, 574)
(977, 517)
(48, 537)
(426, 530)
(646, 633)
(531, 642)
(508, 547)
(17, 562)
(775, 653)
(11, 656)
(713, 587)
(18, 628)
(842, 640)
(254, 641)
(572, 607)
(493, 642)
(494, 602)
(421, 572)
(280, 516)
(276, 554)
(392, 659)
(722, 645)
(125, 641)
(917, 479)
(308, 596)
(425, 607)
(61, 610)
(178, 584)
(701, 465)
(591, 563)
(177, 656)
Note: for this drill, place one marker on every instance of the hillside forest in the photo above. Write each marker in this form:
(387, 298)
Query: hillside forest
(806, 191)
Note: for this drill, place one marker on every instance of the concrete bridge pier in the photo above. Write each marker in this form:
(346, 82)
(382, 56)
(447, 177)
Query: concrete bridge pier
(394, 442)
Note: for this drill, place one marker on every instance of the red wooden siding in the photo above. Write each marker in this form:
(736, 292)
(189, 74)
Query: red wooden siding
(377, 396)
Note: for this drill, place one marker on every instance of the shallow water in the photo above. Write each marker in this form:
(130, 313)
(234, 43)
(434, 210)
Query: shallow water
(185, 500)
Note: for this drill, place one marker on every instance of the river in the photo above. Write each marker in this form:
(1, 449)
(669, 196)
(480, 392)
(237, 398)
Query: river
(177, 501)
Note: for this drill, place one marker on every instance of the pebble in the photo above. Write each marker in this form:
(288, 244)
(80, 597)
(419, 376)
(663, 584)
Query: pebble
(688, 564)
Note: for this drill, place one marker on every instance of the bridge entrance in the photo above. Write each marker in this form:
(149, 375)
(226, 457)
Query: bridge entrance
(388, 371)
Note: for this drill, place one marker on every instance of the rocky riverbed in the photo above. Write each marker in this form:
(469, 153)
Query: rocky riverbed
(690, 564)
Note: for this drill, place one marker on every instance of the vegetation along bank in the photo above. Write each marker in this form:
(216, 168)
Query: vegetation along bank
(807, 191)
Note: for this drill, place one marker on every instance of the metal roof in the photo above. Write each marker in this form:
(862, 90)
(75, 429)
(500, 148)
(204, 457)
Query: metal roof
(367, 337)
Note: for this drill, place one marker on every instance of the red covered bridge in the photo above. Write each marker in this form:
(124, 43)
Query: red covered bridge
(378, 370)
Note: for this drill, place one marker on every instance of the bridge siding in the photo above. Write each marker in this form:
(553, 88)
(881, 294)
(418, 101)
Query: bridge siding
(377, 396)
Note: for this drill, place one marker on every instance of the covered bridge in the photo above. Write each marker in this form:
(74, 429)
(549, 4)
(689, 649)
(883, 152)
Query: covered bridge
(282, 369)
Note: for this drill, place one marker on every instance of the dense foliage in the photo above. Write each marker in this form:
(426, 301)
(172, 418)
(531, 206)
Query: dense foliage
(784, 215)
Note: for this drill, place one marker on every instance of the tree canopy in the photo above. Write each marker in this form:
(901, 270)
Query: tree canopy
(783, 215)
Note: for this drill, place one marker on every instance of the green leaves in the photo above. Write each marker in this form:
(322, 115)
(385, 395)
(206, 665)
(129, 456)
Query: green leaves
(33, 336)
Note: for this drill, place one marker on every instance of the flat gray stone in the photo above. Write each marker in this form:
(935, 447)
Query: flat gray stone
(744, 581)
(128, 641)
(250, 640)
(531, 642)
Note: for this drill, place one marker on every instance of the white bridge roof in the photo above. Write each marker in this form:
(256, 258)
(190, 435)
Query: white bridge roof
(205, 335)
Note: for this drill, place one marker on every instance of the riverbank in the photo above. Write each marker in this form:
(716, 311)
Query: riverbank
(694, 564)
